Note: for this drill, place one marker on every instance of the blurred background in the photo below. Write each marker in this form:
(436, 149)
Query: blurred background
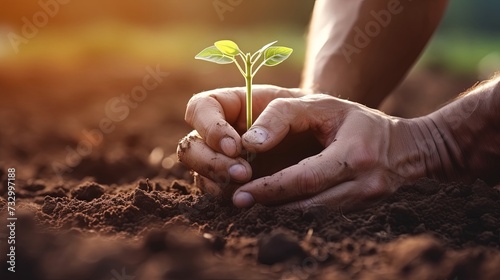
(63, 64)
(74, 33)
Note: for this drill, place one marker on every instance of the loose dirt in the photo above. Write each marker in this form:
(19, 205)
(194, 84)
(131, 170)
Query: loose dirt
(128, 210)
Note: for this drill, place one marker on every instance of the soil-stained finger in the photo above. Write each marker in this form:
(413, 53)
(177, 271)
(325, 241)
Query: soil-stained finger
(207, 113)
(206, 185)
(319, 112)
(306, 179)
(197, 155)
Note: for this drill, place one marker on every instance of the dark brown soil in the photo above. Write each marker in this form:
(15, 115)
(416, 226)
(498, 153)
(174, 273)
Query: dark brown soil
(120, 214)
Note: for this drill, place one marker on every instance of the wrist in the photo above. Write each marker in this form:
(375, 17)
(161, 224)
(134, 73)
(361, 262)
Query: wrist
(439, 148)
(425, 147)
(418, 149)
(457, 142)
(473, 123)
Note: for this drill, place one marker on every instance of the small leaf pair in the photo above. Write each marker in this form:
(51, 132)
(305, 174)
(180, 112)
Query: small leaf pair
(226, 51)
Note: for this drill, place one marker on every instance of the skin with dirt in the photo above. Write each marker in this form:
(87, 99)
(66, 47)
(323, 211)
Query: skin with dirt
(123, 212)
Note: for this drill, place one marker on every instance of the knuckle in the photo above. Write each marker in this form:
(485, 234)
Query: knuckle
(197, 103)
(281, 104)
(210, 133)
(191, 108)
(377, 188)
(184, 145)
(308, 182)
(214, 132)
(363, 157)
(284, 92)
(283, 111)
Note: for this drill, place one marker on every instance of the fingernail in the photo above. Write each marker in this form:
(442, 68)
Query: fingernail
(256, 135)
(243, 200)
(228, 146)
(238, 172)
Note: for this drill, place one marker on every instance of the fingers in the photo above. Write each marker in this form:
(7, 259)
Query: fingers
(309, 177)
(218, 114)
(343, 198)
(316, 112)
(195, 153)
(347, 196)
(210, 113)
(208, 186)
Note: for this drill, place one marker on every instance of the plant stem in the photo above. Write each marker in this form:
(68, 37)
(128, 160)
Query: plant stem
(248, 80)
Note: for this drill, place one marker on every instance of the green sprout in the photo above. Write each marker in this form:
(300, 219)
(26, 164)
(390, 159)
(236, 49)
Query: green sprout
(226, 51)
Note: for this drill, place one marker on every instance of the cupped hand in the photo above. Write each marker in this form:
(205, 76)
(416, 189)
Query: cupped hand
(214, 149)
(367, 155)
(325, 151)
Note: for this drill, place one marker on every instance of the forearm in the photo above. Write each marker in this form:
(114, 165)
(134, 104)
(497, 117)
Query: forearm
(361, 49)
(465, 136)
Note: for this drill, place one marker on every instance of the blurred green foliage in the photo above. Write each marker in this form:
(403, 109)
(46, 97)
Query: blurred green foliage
(468, 39)
(154, 29)
(480, 16)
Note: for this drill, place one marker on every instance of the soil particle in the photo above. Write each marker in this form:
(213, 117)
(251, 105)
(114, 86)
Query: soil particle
(56, 192)
(489, 221)
(34, 186)
(401, 214)
(479, 206)
(420, 229)
(145, 186)
(88, 191)
(415, 256)
(216, 242)
(49, 205)
(278, 247)
(318, 214)
(179, 187)
(145, 201)
(481, 189)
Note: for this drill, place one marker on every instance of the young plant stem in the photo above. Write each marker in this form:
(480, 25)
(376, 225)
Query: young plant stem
(248, 80)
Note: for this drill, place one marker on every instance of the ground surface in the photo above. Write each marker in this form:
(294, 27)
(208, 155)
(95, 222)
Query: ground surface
(122, 208)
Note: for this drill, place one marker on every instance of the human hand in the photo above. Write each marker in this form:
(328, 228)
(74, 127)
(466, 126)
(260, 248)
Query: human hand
(214, 148)
(325, 151)
(367, 155)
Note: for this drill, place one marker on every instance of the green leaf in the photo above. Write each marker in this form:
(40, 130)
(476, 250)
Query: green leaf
(275, 55)
(266, 46)
(213, 54)
(258, 53)
(227, 47)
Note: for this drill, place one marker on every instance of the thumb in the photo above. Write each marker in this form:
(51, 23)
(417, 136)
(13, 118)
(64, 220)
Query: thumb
(283, 116)
(272, 125)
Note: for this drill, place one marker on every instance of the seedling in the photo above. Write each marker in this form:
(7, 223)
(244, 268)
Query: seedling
(226, 52)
